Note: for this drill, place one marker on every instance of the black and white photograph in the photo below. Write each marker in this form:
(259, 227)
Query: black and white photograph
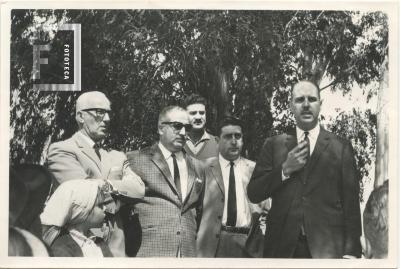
(218, 134)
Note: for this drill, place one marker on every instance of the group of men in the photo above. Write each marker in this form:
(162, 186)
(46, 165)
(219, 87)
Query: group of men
(194, 195)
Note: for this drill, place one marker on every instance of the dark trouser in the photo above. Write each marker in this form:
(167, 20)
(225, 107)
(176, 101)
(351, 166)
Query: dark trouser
(302, 251)
(231, 245)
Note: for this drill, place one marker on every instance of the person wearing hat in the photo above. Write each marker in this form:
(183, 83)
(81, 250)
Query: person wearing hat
(82, 157)
(74, 208)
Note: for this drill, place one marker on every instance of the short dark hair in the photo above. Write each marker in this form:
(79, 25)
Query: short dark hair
(229, 120)
(195, 99)
(376, 221)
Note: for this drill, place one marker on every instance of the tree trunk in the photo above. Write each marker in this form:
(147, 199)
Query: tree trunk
(382, 134)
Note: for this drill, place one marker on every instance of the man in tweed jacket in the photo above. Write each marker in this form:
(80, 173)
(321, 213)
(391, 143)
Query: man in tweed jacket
(174, 182)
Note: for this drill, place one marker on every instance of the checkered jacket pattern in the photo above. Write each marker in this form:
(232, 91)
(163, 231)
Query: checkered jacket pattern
(167, 224)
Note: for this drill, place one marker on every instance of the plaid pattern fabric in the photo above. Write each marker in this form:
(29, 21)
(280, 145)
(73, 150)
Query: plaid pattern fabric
(166, 223)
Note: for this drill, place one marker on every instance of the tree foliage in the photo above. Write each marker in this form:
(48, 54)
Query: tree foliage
(243, 62)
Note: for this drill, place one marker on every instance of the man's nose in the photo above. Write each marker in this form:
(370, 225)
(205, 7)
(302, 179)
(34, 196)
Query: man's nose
(233, 140)
(106, 117)
(306, 103)
(182, 131)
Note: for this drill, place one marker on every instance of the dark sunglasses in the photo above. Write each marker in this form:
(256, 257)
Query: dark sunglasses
(178, 125)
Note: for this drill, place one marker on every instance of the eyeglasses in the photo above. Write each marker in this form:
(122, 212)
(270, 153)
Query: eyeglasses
(99, 113)
(178, 125)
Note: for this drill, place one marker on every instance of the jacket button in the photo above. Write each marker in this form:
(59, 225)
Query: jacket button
(222, 200)
(219, 217)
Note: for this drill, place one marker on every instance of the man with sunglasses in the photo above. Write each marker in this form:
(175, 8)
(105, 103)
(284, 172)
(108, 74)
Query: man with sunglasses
(199, 143)
(227, 213)
(82, 157)
(174, 182)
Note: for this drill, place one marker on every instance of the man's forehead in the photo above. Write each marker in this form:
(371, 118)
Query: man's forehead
(305, 88)
(231, 129)
(92, 100)
(196, 107)
(178, 116)
(99, 103)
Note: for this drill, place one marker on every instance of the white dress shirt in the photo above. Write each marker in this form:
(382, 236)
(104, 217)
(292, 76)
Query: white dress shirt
(182, 166)
(243, 217)
(312, 135)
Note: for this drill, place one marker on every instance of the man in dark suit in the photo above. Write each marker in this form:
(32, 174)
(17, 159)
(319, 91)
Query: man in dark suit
(174, 182)
(227, 212)
(312, 178)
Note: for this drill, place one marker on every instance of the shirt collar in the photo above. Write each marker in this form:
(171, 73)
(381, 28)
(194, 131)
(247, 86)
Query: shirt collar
(87, 139)
(224, 162)
(166, 153)
(205, 136)
(312, 134)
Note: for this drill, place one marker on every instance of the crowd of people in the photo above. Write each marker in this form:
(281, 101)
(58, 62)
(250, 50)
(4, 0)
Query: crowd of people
(193, 194)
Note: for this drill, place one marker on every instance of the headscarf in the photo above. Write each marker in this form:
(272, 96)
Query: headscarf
(70, 204)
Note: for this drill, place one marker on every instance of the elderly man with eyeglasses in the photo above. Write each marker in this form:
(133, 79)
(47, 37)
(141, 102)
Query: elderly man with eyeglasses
(174, 184)
(82, 157)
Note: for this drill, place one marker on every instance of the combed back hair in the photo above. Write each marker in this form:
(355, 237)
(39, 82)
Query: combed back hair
(313, 83)
(229, 120)
(165, 111)
(195, 99)
(376, 221)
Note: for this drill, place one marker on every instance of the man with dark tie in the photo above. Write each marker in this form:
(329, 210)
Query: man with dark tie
(312, 178)
(226, 210)
(199, 143)
(174, 183)
(82, 157)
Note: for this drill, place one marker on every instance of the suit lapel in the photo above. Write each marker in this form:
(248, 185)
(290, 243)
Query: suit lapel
(191, 176)
(322, 142)
(291, 140)
(217, 173)
(161, 163)
(87, 150)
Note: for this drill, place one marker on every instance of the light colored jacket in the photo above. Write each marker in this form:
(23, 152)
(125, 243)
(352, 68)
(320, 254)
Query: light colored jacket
(75, 159)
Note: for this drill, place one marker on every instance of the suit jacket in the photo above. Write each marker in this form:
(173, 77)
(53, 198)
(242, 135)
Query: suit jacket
(213, 206)
(324, 194)
(166, 222)
(65, 246)
(75, 159)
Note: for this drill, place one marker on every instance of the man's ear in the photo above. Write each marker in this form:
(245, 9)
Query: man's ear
(79, 117)
(159, 130)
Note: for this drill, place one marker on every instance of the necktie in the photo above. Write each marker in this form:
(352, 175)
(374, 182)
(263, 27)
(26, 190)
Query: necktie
(307, 139)
(231, 218)
(177, 179)
(96, 148)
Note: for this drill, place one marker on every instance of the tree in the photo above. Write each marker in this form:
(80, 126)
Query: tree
(243, 62)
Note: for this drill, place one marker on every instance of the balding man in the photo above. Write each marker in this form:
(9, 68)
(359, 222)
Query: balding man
(174, 183)
(312, 178)
(81, 157)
